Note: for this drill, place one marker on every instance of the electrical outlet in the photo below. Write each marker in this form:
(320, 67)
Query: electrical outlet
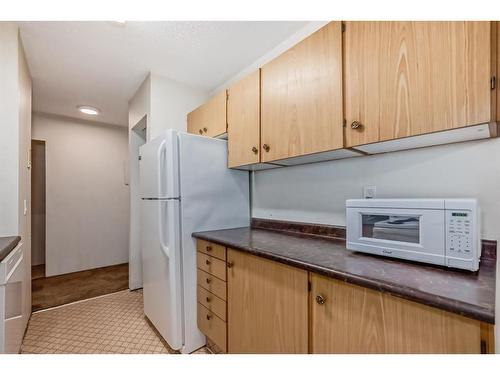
(369, 191)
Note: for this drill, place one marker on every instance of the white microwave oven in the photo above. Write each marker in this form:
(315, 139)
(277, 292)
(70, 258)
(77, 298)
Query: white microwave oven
(436, 231)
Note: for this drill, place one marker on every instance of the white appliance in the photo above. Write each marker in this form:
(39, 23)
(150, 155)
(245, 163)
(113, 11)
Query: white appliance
(437, 231)
(185, 187)
(11, 294)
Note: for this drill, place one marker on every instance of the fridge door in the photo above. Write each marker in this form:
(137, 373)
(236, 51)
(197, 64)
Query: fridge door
(158, 167)
(213, 197)
(161, 265)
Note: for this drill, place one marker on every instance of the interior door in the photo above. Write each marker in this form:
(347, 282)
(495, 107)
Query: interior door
(267, 306)
(410, 78)
(161, 268)
(302, 97)
(243, 118)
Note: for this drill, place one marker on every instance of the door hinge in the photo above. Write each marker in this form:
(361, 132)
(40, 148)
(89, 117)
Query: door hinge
(342, 27)
(227, 95)
(493, 82)
(344, 123)
(309, 286)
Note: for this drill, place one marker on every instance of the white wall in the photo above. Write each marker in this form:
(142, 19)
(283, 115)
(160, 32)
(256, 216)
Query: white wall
(9, 122)
(170, 103)
(158, 104)
(87, 201)
(15, 143)
(317, 192)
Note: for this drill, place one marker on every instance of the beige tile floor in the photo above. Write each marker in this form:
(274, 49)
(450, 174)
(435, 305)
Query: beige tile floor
(113, 323)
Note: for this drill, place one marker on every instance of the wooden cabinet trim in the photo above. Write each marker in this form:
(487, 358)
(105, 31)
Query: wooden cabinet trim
(212, 326)
(355, 319)
(243, 116)
(301, 97)
(390, 60)
(212, 249)
(211, 265)
(213, 303)
(267, 306)
(212, 284)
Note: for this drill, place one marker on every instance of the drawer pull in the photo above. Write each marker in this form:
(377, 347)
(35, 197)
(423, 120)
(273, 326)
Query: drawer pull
(208, 299)
(230, 264)
(209, 248)
(208, 317)
(266, 147)
(207, 262)
(205, 129)
(320, 300)
(200, 131)
(208, 280)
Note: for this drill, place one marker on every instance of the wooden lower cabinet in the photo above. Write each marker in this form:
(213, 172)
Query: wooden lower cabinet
(267, 306)
(347, 318)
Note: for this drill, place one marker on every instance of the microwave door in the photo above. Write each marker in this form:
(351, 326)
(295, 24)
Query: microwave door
(398, 232)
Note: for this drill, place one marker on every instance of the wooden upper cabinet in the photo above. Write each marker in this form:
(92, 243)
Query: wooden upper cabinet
(410, 78)
(497, 31)
(243, 119)
(267, 306)
(302, 97)
(210, 118)
(347, 318)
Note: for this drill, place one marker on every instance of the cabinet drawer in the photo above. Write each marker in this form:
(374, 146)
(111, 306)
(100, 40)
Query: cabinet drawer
(212, 302)
(212, 265)
(212, 326)
(217, 251)
(212, 284)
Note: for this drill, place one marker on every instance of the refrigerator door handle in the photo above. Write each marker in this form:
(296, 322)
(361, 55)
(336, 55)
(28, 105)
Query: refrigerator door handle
(161, 228)
(161, 168)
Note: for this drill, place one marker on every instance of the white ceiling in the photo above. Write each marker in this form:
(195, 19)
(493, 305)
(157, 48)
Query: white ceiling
(102, 63)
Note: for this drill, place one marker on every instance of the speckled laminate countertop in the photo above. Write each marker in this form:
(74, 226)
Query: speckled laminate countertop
(471, 294)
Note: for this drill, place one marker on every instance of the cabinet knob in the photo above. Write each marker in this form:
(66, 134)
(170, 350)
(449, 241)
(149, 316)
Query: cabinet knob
(209, 248)
(254, 150)
(207, 262)
(209, 317)
(266, 147)
(208, 280)
(208, 299)
(200, 131)
(205, 130)
(320, 300)
(356, 125)
(230, 264)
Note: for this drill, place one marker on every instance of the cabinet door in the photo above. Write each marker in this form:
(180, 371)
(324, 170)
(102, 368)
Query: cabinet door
(353, 319)
(243, 119)
(267, 306)
(210, 118)
(301, 99)
(410, 78)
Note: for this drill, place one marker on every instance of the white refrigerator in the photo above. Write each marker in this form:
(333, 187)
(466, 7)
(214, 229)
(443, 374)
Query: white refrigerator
(185, 187)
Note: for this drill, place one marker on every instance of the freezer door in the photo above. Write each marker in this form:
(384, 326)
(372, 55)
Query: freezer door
(161, 268)
(158, 167)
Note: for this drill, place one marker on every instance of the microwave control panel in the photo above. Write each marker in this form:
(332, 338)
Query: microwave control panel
(459, 239)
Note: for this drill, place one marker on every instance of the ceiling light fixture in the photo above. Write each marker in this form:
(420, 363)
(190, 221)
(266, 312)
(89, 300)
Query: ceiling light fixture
(88, 110)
